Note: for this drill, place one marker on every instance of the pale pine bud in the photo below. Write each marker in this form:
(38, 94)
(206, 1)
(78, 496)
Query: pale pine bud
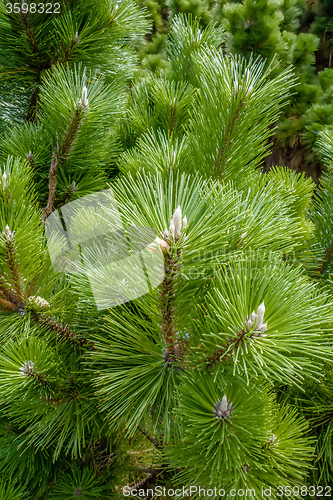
(260, 315)
(243, 235)
(222, 409)
(172, 228)
(224, 403)
(76, 38)
(38, 301)
(4, 179)
(84, 97)
(27, 368)
(29, 156)
(253, 318)
(116, 8)
(7, 234)
(236, 89)
(166, 234)
(263, 328)
(184, 222)
(272, 439)
(177, 219)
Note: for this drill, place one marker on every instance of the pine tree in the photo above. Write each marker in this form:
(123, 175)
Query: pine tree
(298, 32)
(165, 312)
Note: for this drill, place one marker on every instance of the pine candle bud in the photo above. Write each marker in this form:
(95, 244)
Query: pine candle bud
(7, 234)
(39, 302)
(260, 315)
(27, 368)
(4, 179)
(222, 408)
(84, 97)
(256, 321)
(177, 220)
(176, 225)
(224, 404)
(172, 228)
(29, 156)
(272, 439)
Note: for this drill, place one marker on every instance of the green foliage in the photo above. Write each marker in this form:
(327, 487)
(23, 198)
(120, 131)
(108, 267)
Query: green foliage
(78, 483)
(100, 35)
(8, 491)
(215, 353)
(298, 32)
(186, 42)
(246, 447)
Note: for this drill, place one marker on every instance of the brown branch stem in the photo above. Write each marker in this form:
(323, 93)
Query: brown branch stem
(154, 441)
(15, 274)
(52, 185)
(54, 326)
(61, 155)
(223, 353)
(167, 295)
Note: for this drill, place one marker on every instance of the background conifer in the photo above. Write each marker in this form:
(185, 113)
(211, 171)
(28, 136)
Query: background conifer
(219, 373)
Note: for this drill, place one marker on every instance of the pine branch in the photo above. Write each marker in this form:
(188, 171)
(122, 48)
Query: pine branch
(32, 112)
(154, 441)
(52, 185)
(33, 42)
(224, 353)
(172, 248)
(220, 155)
(173, 107)
(7, 305)
(69, 50)
(42, 64)
(14, 294)
(149, 483)
(167, 295)
(9, 300)
(28, 369)
(54, 326)
(61, 155)
(146, 483)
